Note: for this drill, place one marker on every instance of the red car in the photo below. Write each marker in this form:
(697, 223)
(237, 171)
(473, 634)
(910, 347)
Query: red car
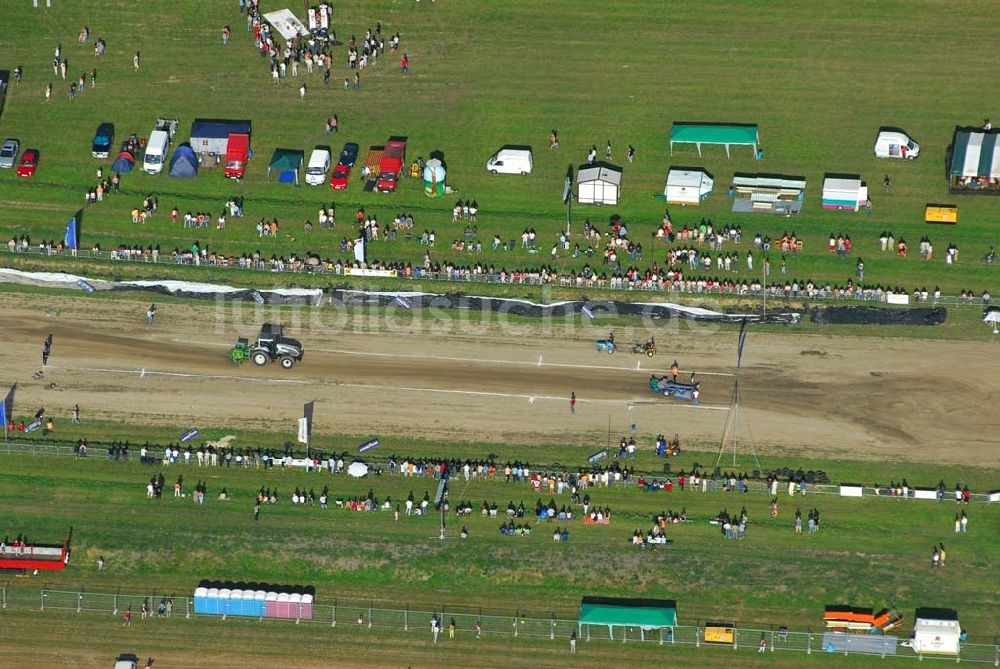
(29, 161)
(341, 175)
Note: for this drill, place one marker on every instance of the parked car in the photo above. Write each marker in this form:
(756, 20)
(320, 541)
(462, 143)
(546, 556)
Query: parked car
(29, 161)
(342, 172)
(103, 138)
(348, 155)
(341, 175)
(127, 661)
(8, 152)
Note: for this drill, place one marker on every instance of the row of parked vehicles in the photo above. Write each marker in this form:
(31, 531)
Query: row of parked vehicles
(9, 158)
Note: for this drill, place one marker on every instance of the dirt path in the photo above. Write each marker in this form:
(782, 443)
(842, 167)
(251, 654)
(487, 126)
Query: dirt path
(870, 398)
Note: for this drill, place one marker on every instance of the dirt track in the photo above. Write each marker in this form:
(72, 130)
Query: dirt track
(870, 398)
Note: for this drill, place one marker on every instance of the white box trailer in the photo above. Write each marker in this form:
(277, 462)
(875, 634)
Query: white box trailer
(936, 631)
(895, 144)
(846, 193)
(687, 185)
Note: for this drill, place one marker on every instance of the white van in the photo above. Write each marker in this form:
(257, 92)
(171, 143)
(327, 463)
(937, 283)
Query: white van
(319, 165)
(156, 152)
(895, 144)
(510, 160)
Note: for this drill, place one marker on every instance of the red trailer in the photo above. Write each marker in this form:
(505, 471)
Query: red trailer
(391, 166)
(22, 555)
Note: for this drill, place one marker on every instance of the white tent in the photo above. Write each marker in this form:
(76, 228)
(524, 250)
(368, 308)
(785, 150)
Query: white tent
(357, 469)
(687, 186)
(599, 184)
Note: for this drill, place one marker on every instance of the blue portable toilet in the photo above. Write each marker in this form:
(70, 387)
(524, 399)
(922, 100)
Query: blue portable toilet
(212, 604)
(201, 600)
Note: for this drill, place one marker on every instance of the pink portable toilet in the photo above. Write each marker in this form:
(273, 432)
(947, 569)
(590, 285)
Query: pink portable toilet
(283, 609)
(295, 605)
(271, 605)
(307, 607)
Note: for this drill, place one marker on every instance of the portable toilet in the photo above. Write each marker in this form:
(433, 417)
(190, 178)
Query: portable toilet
(248, 608)
(212, 603)
(283, 609)
(271, 605)
(234, 607)
(295, 605)
(306, 612)
(434, 177)
(201, 600)
(224, 595)
(259, 608)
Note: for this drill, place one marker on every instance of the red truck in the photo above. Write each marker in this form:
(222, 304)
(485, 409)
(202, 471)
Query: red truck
(237, 149)
(390, 168)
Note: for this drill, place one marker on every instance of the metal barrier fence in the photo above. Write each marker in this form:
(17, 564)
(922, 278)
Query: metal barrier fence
(773, 292)
(491, 623)
(752, 485)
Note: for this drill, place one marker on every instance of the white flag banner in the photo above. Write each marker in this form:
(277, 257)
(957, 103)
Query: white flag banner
(303, 430)
(359, 250)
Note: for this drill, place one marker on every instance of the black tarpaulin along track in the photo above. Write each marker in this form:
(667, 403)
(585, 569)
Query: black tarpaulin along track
(857, 315)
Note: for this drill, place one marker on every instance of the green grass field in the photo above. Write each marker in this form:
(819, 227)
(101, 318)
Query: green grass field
(869, 552)
(818, 79)
(819, 84)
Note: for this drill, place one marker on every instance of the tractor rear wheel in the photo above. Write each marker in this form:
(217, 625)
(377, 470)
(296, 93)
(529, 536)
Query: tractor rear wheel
(287, 362)
(260, 358)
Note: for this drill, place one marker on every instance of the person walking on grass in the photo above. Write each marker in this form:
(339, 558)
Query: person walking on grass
(572, 643)
(76, 414)
(404, 64)
(151, 314)
(128, 617)
(572, 403)
(135, 61)
(964, 520)
(100, 565)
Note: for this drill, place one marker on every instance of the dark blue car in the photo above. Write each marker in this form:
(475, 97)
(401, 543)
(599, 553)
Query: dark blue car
(103, 139)
(348, 154)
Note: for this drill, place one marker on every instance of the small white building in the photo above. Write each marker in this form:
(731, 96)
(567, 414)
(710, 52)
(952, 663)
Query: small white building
(936, 631)
(687, 185)
(599, 184)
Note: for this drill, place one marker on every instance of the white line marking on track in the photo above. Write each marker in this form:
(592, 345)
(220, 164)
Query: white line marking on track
(152, 372)
(370, 386)
(493, 361)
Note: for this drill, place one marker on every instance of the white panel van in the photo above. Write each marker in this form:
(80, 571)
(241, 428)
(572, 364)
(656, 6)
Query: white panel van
(156, 152)
(510, 160)
(319, 165)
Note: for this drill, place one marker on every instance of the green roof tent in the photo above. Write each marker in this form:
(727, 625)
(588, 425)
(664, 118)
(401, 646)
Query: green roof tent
(287, 162)
(646, 614)
(726, 134)
(975, 154)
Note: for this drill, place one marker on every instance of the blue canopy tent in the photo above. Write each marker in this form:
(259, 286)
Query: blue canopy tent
(184, 163)
(124, 162)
